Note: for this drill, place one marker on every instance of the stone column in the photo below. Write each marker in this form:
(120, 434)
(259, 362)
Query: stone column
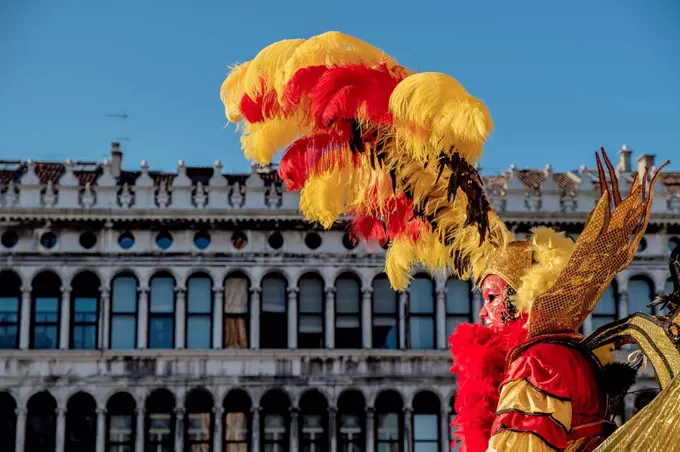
(142, 317)
(140, 427)
(104, 318)
(21, 429)
(179, 429)
(218, 428)
(623, 304)
(292, 318)
(101, 429)
(440, 310)
(65, 318)
(366, 318)
(370, 430)
(444, 441)
(61, 429)
(403, 302)
(218, 319)
(477, 303)
(25, 327)
(180, 317)
(255, 295)
(294, 429)
(408, 429)
(333, 428)
(255, 433)
(330, 317)
(588, 325)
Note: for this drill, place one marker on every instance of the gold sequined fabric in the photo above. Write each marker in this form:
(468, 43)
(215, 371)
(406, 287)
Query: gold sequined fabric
(656, 428)
(510, 262)
(607, 245)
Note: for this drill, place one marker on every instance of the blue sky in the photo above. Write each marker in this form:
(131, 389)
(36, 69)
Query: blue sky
(561, 78)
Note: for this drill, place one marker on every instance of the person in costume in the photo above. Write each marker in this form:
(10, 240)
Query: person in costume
(393, 152)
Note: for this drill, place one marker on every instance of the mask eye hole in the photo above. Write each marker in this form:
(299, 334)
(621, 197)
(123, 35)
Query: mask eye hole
(491, 297)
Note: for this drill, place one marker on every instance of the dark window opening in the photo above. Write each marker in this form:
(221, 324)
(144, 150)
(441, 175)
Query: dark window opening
(161, 327)
(389, 427)
(198, 422)
(126, 240)
(84, 311)
(199, 325)
(313, 240)
(121, 423)
(160, 421)
(275, 420)
(348, 312)
(275, 240)
(311, 312)
(274, 313)
(349, 242)
(124, 302)
(45, 311)
(385, 331)
(81, 423)
(239, 240)
(313, 422)
(10, 310)
(9, 239)
(351, 421)
(164, 240)
(48, 240)
(201, 240)
(421, 314)
(87, 240)
(237, 421)
(41, 423)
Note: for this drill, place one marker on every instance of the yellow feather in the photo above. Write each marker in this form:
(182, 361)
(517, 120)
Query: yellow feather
(399, 261)
(331, 49)
(325, 196)
(433, 113)
(261, 141)
(232, 91)
(264, 67)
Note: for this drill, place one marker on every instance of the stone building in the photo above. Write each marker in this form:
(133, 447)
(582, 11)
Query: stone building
(197, 311)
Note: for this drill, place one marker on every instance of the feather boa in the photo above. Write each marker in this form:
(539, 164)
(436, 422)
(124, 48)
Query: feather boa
(479, 355)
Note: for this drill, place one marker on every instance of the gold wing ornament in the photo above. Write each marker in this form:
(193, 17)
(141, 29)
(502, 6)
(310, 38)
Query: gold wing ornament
(606, 246)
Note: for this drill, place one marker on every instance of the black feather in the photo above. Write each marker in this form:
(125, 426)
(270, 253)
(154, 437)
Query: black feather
(616, 379)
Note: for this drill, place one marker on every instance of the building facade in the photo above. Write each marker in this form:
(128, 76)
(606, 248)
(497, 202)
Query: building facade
(197, 311)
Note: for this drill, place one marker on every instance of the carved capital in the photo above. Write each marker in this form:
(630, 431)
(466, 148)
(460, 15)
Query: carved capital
(255, 290)
(26, 289)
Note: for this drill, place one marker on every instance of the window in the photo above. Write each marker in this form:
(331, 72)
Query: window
(385, 329)
(198, 424)
(10, 309)
(311, 312)
(274, 313)
(421, 310)
(84, 311)
(275, 422)
(313, 422)
(9, 239)
(162, 312)
(426, 409)
(275, 240)
(236, 303)
(458, 304)
(48, 240)
(41, 423)
(199, 312)
(164, 240)
(348, 312)
(237, 407)
(126, 240)
(121, 423)
(239, 240)
(87, 240)
(673, 243)
(124, 312)
(606, 309)
(160, 422)
(8, 422)
(313, 240)
(351, 422)
(389, 433)
(349, 241)
(45, 312)
(81, 423)
(201, 240)
(640, 294)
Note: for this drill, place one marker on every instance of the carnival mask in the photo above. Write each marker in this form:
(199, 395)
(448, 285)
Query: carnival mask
(498, 309)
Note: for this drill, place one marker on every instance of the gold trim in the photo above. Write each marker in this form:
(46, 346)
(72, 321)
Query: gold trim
(521, 396)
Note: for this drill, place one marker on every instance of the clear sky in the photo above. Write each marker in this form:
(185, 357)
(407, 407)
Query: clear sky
(561, 78)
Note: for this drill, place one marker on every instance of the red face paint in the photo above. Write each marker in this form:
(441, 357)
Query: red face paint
(497, 310)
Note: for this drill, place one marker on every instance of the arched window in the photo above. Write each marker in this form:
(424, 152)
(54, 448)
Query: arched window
(237, 423)
(348, 311)
(198, 424)
(313, 422)
(426, 408)
(274, 312)
(8, 421)
(275, 421)
(385, 331)
(311, 312)
(84, 311)
(124, 305)
(458, 304)
(121, 423)
(46, 298)
(199, 316)
(421, 322)
(81, 423)
(236, 308)
(640, 294)
(161, 327)
(160, 421)
(10, 309)
(606, 309)
(41, 423)
(351, 421)
(389, 427)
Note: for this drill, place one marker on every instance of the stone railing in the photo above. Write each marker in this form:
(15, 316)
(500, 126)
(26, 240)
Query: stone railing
(521, 192)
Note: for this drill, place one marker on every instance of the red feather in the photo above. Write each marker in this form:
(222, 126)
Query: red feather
(302, 158)
(301, 84)
(368, 228)
(479, 356)
(264, 106)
